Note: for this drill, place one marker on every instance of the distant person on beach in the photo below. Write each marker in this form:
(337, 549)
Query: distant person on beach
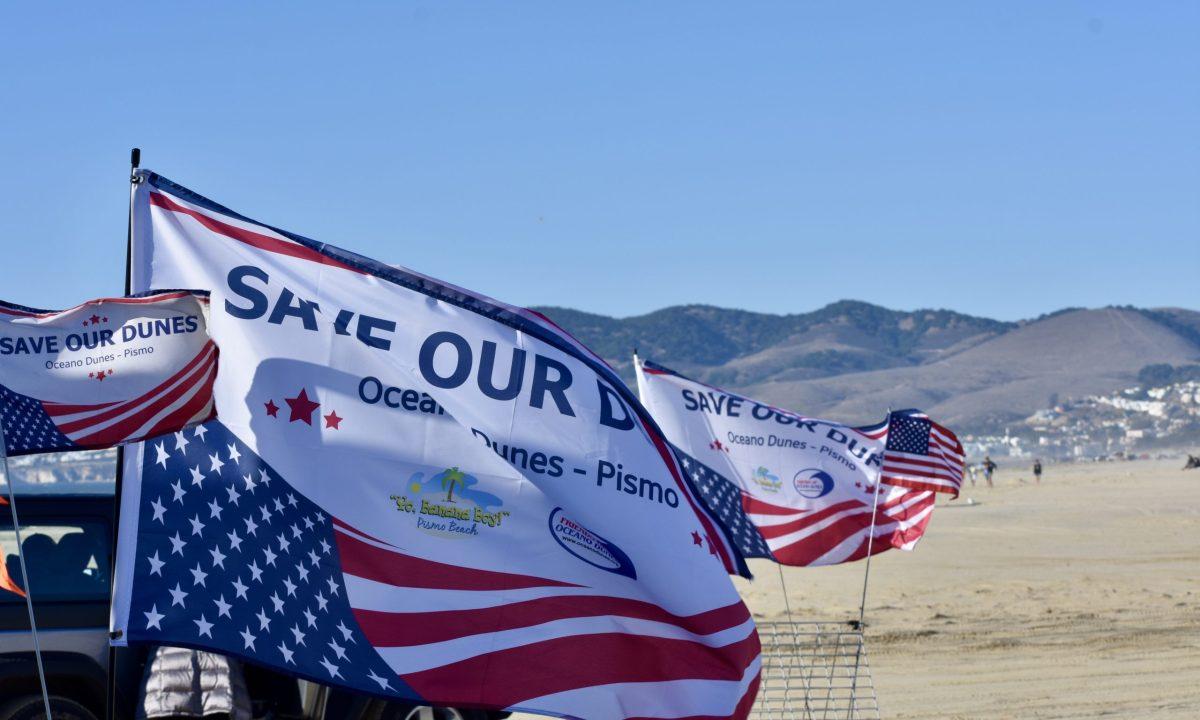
(989, 468)
(1037, 470)
(973, 469)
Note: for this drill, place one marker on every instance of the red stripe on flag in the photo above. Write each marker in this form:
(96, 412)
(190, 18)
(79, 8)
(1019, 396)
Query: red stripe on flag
(56, 410)
(395, 568)
(249, 237)
(771, 532)
(356, 531)
(741, 712)
(936, 479)
(506, 677)
(812, 548)
(947, 487)
(753, 505)
(774, 531)
(124, 428)
(940, 474)
(390, 629)
(896, 458)
(184, 415)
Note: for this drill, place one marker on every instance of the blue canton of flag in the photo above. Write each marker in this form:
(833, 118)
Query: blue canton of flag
(231, 558)
(725, 500)
(909, 434)
(27, 426)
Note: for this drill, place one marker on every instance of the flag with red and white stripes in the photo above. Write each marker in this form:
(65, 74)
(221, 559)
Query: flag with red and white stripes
(418, 492)
(104, 373)
(794, 489)
(922, 454)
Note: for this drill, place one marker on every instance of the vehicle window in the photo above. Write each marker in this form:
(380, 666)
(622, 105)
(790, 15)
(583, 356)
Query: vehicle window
(89, 472)
(67, 561)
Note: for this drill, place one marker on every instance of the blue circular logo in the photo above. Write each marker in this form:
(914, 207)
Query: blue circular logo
(588, 546)
(813, 483)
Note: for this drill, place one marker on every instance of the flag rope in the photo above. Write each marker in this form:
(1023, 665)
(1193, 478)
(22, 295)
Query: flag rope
(12, 506)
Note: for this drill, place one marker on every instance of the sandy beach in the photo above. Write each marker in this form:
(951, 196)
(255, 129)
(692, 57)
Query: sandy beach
(1076, 598)
(1079, 597)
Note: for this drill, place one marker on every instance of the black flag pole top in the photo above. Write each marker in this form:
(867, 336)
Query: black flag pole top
(135, 160)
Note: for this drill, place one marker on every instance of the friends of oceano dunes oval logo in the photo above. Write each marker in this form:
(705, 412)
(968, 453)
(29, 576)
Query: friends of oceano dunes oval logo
(588, 546)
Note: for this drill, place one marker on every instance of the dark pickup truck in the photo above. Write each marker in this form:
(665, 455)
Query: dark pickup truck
(67, 541)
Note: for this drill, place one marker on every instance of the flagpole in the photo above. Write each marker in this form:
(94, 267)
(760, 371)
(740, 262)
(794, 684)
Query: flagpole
(12, 506)
(135, 160)
(862, 605)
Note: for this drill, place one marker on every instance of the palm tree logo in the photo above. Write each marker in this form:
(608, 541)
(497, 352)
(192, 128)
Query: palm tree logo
(451, 477)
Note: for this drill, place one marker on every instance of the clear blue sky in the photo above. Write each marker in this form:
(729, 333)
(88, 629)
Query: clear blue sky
(1004, 159)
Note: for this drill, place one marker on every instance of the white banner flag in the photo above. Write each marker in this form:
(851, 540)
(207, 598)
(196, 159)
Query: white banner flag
(104, 373)
(797, 490)
(419, 492)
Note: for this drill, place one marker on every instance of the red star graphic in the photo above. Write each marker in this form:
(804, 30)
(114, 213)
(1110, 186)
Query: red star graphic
(272, 408)
(104, 319)
(95, 319)
(696, 538)
(302, 407)
(333, 421)
(100, 376)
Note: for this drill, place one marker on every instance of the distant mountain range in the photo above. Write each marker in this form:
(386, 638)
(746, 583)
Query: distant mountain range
(851, 360)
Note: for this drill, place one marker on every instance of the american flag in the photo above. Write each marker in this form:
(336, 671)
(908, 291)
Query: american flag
(183, 399)
(922, 454)
(725, 500)
(231, 558)
(810, 537)
(33, 425)
(27, 426)
(824, 503)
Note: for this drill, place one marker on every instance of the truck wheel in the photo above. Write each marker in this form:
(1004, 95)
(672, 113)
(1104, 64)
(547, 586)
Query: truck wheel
(30, 708)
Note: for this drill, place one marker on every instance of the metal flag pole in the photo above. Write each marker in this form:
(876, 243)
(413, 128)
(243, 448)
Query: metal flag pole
(862, 605)
(12, 506)
(135, 160)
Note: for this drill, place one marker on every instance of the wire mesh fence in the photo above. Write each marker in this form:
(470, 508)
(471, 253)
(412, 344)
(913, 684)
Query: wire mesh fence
(815, 671)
